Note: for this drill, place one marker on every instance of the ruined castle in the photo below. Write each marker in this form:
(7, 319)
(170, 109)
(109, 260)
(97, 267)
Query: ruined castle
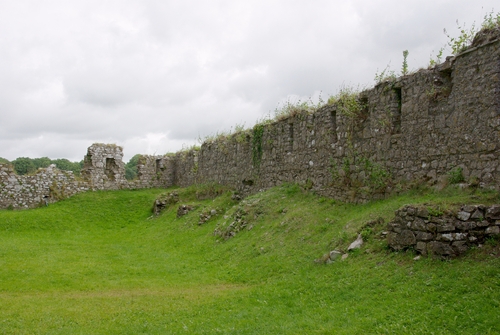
(420, 128)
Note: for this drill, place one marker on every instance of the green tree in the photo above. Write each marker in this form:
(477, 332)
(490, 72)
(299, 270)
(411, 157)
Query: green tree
(4, 160)
(66, 165)
(41, 162)
(131, 167)
(23, 165)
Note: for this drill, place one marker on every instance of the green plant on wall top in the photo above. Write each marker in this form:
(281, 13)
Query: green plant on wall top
(348, 102)
(385, 75)
(463, 41)
(491, 20)
(404, 69)
(436, 61)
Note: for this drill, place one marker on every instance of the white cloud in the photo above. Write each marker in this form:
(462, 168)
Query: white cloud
(154, 76)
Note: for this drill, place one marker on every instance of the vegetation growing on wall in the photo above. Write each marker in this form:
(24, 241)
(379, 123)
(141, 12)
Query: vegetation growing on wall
(258, 132)
(456, 176)
(467, 36)
(358, 172)
(297, 109)
(348, 102)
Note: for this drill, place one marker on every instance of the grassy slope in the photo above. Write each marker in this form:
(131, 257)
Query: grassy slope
(95, 264)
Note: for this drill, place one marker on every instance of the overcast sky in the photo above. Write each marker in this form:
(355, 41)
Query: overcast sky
(155, 75)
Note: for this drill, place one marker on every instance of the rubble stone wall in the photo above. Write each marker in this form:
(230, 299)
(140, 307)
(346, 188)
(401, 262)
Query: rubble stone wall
(417, 128)
(28, 191)
(153, 171)
(103, 167)
(429, 231)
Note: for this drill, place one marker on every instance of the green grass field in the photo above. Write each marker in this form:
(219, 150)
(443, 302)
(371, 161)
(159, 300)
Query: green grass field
(98, 263)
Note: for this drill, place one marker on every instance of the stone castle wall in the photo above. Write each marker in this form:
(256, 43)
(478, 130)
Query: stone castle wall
(417, 128)
(103, 170)
(45, 186)
(103, 167)
(413, 129)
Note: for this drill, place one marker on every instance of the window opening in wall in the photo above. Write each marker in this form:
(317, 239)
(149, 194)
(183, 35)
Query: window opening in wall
(396, 116)
(364, 108)
(110, 169)
(158, 166)
(290, 136)
(333, 124)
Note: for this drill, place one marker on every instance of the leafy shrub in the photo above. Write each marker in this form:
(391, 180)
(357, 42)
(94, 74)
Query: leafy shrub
(456, 176)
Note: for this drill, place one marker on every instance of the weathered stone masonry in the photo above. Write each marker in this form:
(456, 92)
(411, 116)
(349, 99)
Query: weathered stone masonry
(103, 170)
(416, 128)
(48, 184)
(430, 231)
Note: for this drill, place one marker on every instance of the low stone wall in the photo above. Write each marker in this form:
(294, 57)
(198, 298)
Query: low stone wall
(28, 191)
(428, 231)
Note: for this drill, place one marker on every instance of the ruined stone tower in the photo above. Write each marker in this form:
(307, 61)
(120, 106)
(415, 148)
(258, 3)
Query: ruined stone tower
(103, 167)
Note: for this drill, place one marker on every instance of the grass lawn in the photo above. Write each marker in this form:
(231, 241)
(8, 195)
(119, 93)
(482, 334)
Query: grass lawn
(98, 263)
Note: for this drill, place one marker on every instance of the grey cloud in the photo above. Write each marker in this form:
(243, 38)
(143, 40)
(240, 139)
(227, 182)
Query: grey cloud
(155, 75)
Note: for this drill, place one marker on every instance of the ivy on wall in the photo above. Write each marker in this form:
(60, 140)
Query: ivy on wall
(258, 132)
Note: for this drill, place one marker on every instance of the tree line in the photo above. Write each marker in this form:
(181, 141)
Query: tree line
(26, 165)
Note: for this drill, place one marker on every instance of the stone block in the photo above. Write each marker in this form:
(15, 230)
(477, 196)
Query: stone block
(431, 227)
(469, 208)
(482, 223)
(463, 216)
(422, 212)
(440, 249)
(418, 224)
(436, 220)
(477, 215)
(423, 236)
(400, 241)
(465, 226)
(395, 227)
(460, 247)
(445, 227)
(411, 210)
(421, 247)
(451, 237)
(493, 212)
(493, 230)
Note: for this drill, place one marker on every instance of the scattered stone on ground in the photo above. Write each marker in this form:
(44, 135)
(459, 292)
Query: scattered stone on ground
(238, 223)
(330, 257)
(163, 201)
(236, 196)
(206, 215)
(184, 209)
(356, 244)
